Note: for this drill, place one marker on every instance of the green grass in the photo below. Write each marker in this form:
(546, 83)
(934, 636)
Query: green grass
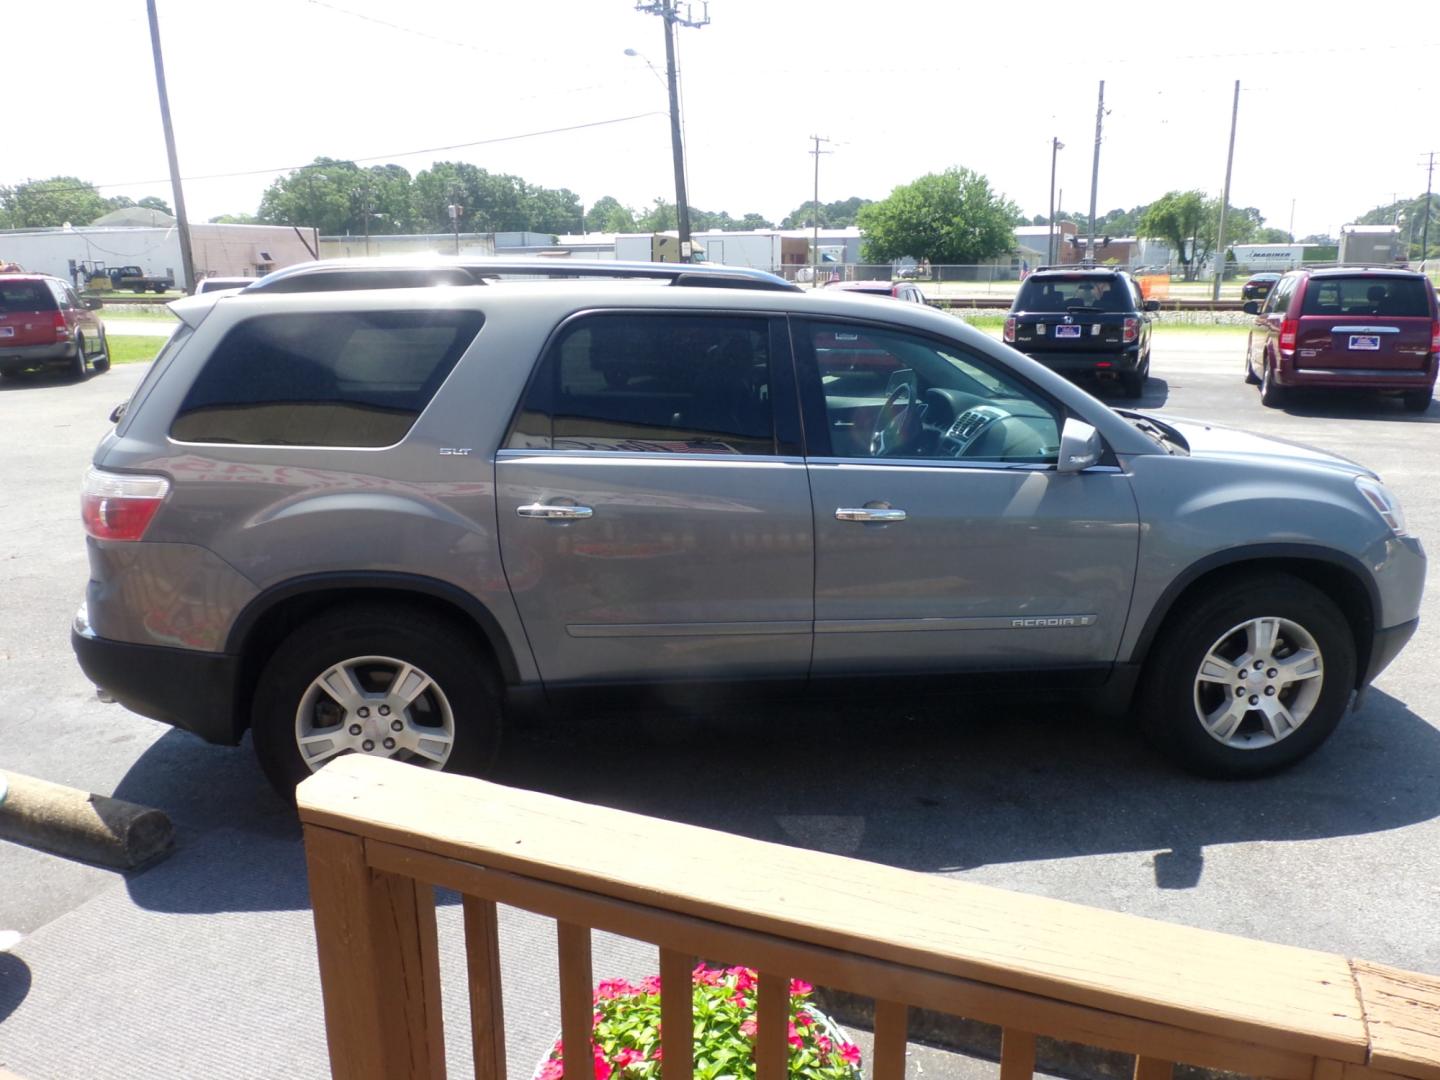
(136, 311)
(134, 350)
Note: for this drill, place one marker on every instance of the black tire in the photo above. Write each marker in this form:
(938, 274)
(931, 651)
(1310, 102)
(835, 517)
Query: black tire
(1132, 384)
(452, 657)
(1251, 379)
(78, 368)
(1272, 394)
(1416, 400)
(102, 359)
(1172, 696)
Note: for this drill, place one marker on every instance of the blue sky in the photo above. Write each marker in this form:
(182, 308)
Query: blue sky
(1333, 116)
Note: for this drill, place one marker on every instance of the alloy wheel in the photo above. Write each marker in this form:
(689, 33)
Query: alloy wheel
(1258, 683)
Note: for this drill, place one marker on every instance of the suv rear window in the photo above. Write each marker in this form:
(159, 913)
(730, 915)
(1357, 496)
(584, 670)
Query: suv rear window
(1360, 295)
(334, 379)
(1058, 294)
(18, 296)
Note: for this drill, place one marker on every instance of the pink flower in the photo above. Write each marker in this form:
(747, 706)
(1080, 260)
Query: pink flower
(738, 1000)
(803, 1019)
(850, 1053)
(613, 988)
(628, 1056)
(602, 1067)
(801, 987)
(552, 1070)
(707, 976)
(650, 984)
(744, 978)
(824, 1043)
(658, 1055)
(749, 1027)
(793, 1037)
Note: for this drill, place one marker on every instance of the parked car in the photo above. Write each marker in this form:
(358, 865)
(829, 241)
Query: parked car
(45, 325)
(1084, 322)
(388, 521)
(217, 283)
(1258, 286)
(898, 290)
(1346, 328)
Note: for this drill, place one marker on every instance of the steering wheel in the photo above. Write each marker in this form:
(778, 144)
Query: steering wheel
(892, 421)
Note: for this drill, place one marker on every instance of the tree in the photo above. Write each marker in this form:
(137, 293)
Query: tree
(833, 215)
(947, 218)
(1272, 236)
(39, 204)
(154, 202)
(609, 215)
(319, 195)
(235, 219)
(1180, 218)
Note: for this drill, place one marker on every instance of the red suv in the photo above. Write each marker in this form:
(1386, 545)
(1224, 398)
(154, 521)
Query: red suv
(1346, 328)
(43, 323)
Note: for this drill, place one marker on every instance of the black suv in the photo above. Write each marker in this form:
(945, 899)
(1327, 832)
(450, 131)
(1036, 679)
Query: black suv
(1082, 320)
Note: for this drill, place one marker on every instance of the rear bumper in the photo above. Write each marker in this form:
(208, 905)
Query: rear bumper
(187, 689)
(1092, 363)
(24, 355)
(1356, 378)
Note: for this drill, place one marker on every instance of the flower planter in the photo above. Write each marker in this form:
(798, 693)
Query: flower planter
(625, 1039)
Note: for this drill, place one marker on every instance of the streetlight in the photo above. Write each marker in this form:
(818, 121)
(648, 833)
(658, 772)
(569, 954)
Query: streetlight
(1055, 147)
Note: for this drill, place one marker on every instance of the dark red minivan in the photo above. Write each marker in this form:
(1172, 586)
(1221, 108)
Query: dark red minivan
(44, 324)
(1346, 328)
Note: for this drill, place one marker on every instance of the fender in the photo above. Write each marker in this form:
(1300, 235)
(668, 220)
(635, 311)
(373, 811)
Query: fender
(486, 622)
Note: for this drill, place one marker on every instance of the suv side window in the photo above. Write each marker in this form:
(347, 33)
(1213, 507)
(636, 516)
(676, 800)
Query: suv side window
(892, 394)
(1279, 297)
(357, 379)
(652, 383)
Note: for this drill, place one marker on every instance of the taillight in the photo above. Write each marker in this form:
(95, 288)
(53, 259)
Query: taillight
(120, 506)
(1132, 329)
(1435, 336)
(1289, 330)
(1010, 329)
(62, 330)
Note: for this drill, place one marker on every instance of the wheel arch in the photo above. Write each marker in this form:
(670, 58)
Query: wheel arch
(1340, 577)
(266, 620)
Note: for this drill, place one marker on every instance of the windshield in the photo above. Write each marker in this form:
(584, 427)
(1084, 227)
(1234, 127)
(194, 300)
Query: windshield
(1061, 294)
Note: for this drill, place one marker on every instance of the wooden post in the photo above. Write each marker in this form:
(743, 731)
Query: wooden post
(1147, 1068)
(1017, 1055)
(677, 1015)
(379, 964)
(772, 1017)
(892, 1032)
(487, 1009)
(577, 999)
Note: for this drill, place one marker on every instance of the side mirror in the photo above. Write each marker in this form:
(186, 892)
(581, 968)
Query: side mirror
(93, 303)
(1152, 305)
(1080, 446)
(119, 411)
(1251, 307)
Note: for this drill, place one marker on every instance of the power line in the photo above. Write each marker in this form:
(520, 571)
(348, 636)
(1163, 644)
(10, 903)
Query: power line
(371, 157)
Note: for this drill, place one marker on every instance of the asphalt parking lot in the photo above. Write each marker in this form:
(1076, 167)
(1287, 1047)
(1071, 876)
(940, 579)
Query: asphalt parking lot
(1342, 853)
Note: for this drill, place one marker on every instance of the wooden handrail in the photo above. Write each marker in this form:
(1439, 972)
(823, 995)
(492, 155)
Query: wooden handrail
(379, 835)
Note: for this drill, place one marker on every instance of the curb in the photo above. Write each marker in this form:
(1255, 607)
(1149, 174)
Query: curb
(74, 823)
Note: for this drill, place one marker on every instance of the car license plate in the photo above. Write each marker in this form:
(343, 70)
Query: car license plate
(7, 331)
(1366, 342)
(1067, 331)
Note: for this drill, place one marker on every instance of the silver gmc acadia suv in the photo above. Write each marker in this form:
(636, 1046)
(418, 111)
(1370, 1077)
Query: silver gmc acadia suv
(371, 508)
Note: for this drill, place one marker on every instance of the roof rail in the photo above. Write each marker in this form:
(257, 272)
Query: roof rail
(329, 275)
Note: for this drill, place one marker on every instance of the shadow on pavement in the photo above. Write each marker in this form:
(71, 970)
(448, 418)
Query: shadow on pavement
(14, 983)
(1355, 405)
(937, 787)
(35, 380)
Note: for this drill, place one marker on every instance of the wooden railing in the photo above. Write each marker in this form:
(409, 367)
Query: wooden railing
(379, 836)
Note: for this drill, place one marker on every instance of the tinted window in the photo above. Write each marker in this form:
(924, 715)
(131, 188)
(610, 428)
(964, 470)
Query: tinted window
(18, 296)
(653, 384)
(1279, 297)
(1366, 296)
(1071, 292)
(338, 379)
(890, 394)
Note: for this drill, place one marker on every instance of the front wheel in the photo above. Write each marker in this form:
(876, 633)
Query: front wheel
(1249, 679)
(389, 682)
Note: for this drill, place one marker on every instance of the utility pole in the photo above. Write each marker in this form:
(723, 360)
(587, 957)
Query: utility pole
(1291, 230)
(815, 215)
(182, 222)
(1055, 147)
(455, 210)
(1425, 232)
(1095, 172)
(1225, 199)
(669, 10)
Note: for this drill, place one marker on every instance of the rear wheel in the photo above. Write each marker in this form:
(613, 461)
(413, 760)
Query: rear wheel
(1272, 394)
(1250, 377)
(78, 368)
(1416, 400)
(1249, 678)
(388, 682)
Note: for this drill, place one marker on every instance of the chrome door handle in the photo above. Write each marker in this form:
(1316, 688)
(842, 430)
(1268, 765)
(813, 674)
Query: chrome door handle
(554, 511)
(868, 513)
